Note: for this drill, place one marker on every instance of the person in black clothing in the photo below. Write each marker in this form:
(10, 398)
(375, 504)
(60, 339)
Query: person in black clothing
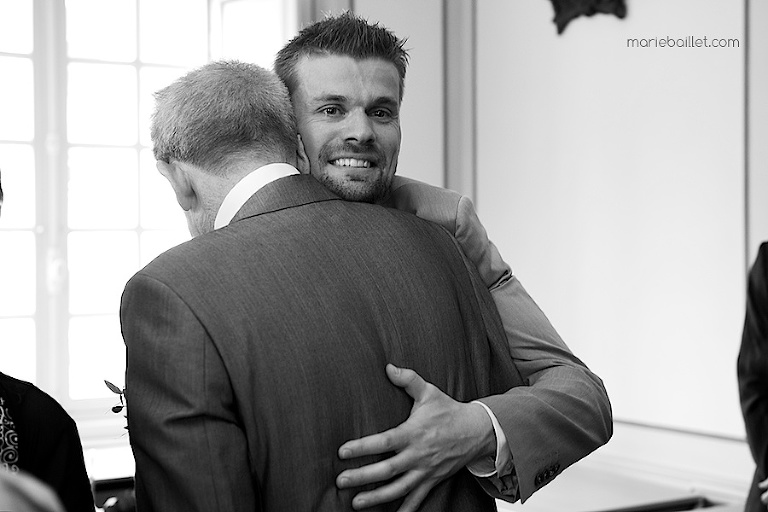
(753, 378)
(39, 438)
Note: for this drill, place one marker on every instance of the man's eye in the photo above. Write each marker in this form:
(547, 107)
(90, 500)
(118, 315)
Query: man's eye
(381, 113)
(331, 111)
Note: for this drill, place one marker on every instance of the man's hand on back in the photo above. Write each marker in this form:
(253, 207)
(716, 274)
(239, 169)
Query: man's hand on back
(440, 437)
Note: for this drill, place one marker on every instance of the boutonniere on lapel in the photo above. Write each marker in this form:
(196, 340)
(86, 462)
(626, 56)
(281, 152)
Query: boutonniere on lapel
(118, 408)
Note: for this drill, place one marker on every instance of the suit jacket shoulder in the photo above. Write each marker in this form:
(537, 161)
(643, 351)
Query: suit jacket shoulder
(457, 214)
(439, 205)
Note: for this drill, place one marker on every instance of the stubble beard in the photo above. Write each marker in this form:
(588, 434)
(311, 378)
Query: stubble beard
(358, 191)
(364, 191)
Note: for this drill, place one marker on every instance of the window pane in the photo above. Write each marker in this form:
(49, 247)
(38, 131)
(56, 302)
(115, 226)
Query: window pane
(17, 169)
(16, 99)
(102, 104)
(151, 80)
(96, 354)
(154, 243)
(103, 188)
(100, 263)
(102, 30)
(17, 344)
(183, 42)
(159, 209)
(252, 30)
(15, 27)
(17, 273)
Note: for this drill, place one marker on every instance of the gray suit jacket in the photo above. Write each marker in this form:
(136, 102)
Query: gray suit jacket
(256, 350)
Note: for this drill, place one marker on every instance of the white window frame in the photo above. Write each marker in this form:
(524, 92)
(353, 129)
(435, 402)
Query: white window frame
(99, 427)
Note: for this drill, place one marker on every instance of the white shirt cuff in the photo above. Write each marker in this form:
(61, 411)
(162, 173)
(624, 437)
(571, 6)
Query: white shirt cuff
(488, 467)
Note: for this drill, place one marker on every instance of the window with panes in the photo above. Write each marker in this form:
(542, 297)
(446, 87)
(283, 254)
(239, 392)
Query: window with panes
(85, 207)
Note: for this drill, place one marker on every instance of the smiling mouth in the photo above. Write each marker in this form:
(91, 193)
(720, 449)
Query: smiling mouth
(352, 162)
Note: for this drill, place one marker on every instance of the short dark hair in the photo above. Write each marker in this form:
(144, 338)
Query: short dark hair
(222, 111)
(345, 34)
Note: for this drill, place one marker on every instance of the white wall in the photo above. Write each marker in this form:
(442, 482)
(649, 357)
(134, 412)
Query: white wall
(612, 179)
(758, 125)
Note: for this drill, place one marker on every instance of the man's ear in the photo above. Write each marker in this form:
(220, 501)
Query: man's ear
(301, 157)
(179, 179)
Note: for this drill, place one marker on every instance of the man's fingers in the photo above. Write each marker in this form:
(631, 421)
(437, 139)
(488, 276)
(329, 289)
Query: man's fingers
(763, 485)
(377, 472)
(407, 379)
(388, 441)
(413, 501)
(387, 493)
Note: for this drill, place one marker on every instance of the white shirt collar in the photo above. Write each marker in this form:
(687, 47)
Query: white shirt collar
(246, 187)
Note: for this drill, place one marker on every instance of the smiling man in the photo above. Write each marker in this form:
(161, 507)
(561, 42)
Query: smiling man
(348, 112)
(346, 79)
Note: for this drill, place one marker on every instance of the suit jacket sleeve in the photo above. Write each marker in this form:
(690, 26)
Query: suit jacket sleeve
(752, 363)
(563, 413)
(190, 452)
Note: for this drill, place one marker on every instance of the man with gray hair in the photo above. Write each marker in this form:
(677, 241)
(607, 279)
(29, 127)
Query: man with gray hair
(258, 347)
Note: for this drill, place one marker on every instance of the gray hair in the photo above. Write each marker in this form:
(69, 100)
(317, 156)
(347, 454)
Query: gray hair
(222, 112)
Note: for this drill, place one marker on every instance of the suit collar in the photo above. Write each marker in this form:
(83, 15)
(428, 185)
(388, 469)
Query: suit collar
(247, 186)
(288, 192)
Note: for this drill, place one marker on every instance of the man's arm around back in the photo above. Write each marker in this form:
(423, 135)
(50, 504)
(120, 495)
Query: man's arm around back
(564, 413)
